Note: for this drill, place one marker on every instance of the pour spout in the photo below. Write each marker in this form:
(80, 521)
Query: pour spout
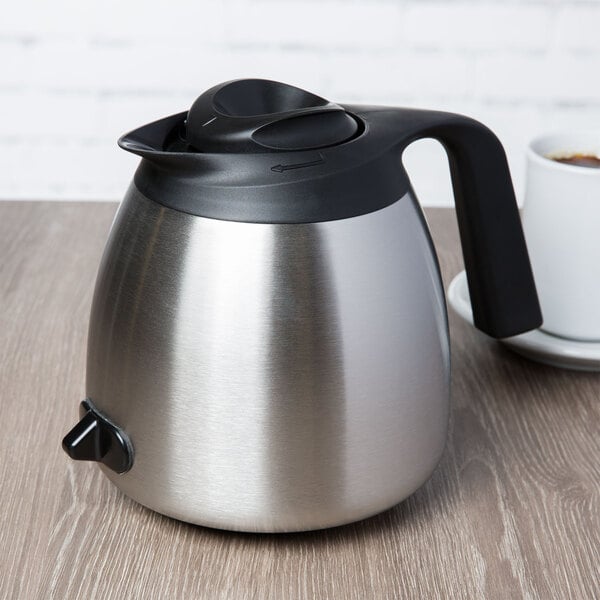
(151, 140)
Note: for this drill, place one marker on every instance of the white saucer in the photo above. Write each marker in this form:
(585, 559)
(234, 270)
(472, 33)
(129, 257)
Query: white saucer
(537, 344)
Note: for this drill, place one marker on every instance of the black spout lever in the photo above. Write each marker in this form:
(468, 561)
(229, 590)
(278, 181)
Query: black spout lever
(97, 438)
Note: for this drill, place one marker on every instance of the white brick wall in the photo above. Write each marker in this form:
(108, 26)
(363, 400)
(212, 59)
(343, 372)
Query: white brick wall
(75, 75)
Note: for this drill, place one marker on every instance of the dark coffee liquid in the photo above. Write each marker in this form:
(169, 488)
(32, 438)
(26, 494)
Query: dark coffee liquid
(579, 160)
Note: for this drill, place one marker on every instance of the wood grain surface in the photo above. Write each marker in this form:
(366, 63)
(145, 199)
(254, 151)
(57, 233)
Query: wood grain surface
(512, 510)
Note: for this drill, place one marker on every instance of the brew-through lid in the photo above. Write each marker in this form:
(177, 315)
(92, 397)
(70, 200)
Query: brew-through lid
(257, 115)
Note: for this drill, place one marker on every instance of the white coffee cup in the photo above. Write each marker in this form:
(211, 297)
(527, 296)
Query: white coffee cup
(561, 220)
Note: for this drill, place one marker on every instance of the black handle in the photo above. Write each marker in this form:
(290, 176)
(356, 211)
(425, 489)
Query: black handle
(499, 274)
(96, 438)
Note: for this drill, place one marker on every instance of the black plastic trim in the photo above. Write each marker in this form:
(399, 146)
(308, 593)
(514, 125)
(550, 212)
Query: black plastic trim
(97, 438)
(357, 177)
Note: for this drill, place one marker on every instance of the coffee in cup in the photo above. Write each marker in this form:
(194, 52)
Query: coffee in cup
(578, 160)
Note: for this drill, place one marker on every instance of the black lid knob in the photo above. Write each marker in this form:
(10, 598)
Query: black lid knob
(258, 115)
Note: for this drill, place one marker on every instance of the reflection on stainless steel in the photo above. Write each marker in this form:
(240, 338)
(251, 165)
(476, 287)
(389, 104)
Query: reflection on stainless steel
(271, 377)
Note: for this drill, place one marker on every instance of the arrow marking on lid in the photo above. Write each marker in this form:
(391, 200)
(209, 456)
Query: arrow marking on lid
(312, 163)
(209, 121)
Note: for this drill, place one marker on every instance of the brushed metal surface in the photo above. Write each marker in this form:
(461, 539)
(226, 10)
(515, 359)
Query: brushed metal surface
(271, 377)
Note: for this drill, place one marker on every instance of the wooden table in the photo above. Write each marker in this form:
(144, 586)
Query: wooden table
(512, 511)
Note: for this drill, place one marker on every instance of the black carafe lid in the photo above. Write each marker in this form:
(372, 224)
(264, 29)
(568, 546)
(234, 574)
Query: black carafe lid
(260, 151)
(257, 115)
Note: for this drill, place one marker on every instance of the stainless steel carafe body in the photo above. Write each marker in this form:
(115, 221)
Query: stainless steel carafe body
(271, 377)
